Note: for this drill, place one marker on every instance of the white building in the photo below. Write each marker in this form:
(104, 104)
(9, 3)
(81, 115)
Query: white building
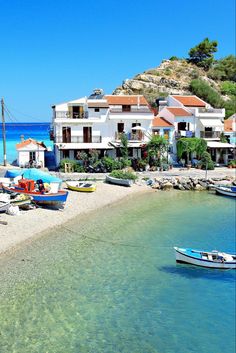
(97, 122)
(31, 152)
(192, 117)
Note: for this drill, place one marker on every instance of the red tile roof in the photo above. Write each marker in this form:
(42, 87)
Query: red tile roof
(28, 142)
(161, 122)
(228, 125)
(179, 111)
(126, 100)
(190, 101)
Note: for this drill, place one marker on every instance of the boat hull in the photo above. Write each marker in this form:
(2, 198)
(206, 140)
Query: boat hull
(4, 206)
(53, 199)
(81, 188)
(116, 181)
(182, 257)
(225, 192)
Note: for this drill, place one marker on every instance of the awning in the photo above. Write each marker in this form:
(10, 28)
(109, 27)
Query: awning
(215, 144)
(211, 122)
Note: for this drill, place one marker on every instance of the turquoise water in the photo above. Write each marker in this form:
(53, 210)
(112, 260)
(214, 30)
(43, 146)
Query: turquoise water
(109, 282)
(37, 131)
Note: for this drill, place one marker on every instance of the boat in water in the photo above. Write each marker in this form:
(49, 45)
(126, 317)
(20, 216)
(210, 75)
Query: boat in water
(81, 186)
(226, 190)
(210, 259)
(27, 187)
(118, 181)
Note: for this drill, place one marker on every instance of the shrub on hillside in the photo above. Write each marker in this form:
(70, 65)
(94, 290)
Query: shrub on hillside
(229, 88)
(206, 92)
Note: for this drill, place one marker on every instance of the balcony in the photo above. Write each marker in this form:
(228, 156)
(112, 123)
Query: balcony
(184, 133)
(209, 113)
(141, 109)
(210, 134)
(130, 136)
(78, 139)
(70, 115)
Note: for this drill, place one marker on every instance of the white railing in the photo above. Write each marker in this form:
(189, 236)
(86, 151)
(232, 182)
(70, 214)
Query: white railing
(78, 139)
(69, 115)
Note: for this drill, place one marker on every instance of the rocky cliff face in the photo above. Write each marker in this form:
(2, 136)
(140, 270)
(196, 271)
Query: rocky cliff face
(171, 77)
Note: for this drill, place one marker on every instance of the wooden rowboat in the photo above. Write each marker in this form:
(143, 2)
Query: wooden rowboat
(117, 181)
(4, 205)
(210, 259)
(81, 186)
(226, 191)
(47, 199)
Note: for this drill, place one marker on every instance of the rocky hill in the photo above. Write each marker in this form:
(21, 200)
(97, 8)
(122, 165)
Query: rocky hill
(171, 77)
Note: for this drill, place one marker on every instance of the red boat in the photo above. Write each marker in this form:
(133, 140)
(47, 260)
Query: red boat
(27, 187)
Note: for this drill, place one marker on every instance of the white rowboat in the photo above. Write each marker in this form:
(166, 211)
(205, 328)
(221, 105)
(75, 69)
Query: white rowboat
(210, 259)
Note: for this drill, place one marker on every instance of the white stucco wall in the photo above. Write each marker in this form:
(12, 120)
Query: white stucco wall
(23, 155)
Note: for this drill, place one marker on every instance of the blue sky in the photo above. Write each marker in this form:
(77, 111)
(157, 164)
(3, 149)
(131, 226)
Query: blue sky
(57, 50)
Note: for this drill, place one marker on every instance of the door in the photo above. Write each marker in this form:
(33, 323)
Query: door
(66, 134)
(87, 131)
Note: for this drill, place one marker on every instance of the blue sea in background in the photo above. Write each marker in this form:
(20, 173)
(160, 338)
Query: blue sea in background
(108, 282)
(37, 131)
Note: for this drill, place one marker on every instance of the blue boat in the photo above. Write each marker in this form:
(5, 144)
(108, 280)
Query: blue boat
(210, 259)
(44, 199)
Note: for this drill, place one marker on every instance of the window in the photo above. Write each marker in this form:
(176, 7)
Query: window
(32, 156)
(96, 110)
(156, 132)
(87, 133)
(120, 127)
(65, 154)
(126, 108)
(166, 134)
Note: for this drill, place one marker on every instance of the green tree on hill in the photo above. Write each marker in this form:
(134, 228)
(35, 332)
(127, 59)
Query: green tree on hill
(202, 54)
(224, 69)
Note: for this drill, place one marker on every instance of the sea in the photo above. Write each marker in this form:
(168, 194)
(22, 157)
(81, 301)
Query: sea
(108, 282)
(14, 131)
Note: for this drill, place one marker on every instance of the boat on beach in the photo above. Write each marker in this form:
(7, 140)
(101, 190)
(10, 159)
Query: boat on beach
(118, 181)
(81, 186)
(4, 205)
(210, 259)
(57, 199)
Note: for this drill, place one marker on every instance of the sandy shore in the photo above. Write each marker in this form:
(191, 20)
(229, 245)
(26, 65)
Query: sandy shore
(33, 222)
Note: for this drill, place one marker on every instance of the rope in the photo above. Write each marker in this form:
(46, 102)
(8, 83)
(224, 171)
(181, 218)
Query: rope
(114, 242)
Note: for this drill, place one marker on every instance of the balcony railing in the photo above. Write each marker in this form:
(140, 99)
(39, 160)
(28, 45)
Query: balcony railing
(78, 139)
(210, 110)
(141, 109)
(70, 115)
(210, 134)
(184, 133)
(130, 136)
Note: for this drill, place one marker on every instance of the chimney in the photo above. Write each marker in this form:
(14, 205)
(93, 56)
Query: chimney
(22, 138)
(138, 102)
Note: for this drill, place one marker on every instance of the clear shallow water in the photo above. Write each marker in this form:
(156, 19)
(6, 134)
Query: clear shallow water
(37, 131)
(112, 284)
